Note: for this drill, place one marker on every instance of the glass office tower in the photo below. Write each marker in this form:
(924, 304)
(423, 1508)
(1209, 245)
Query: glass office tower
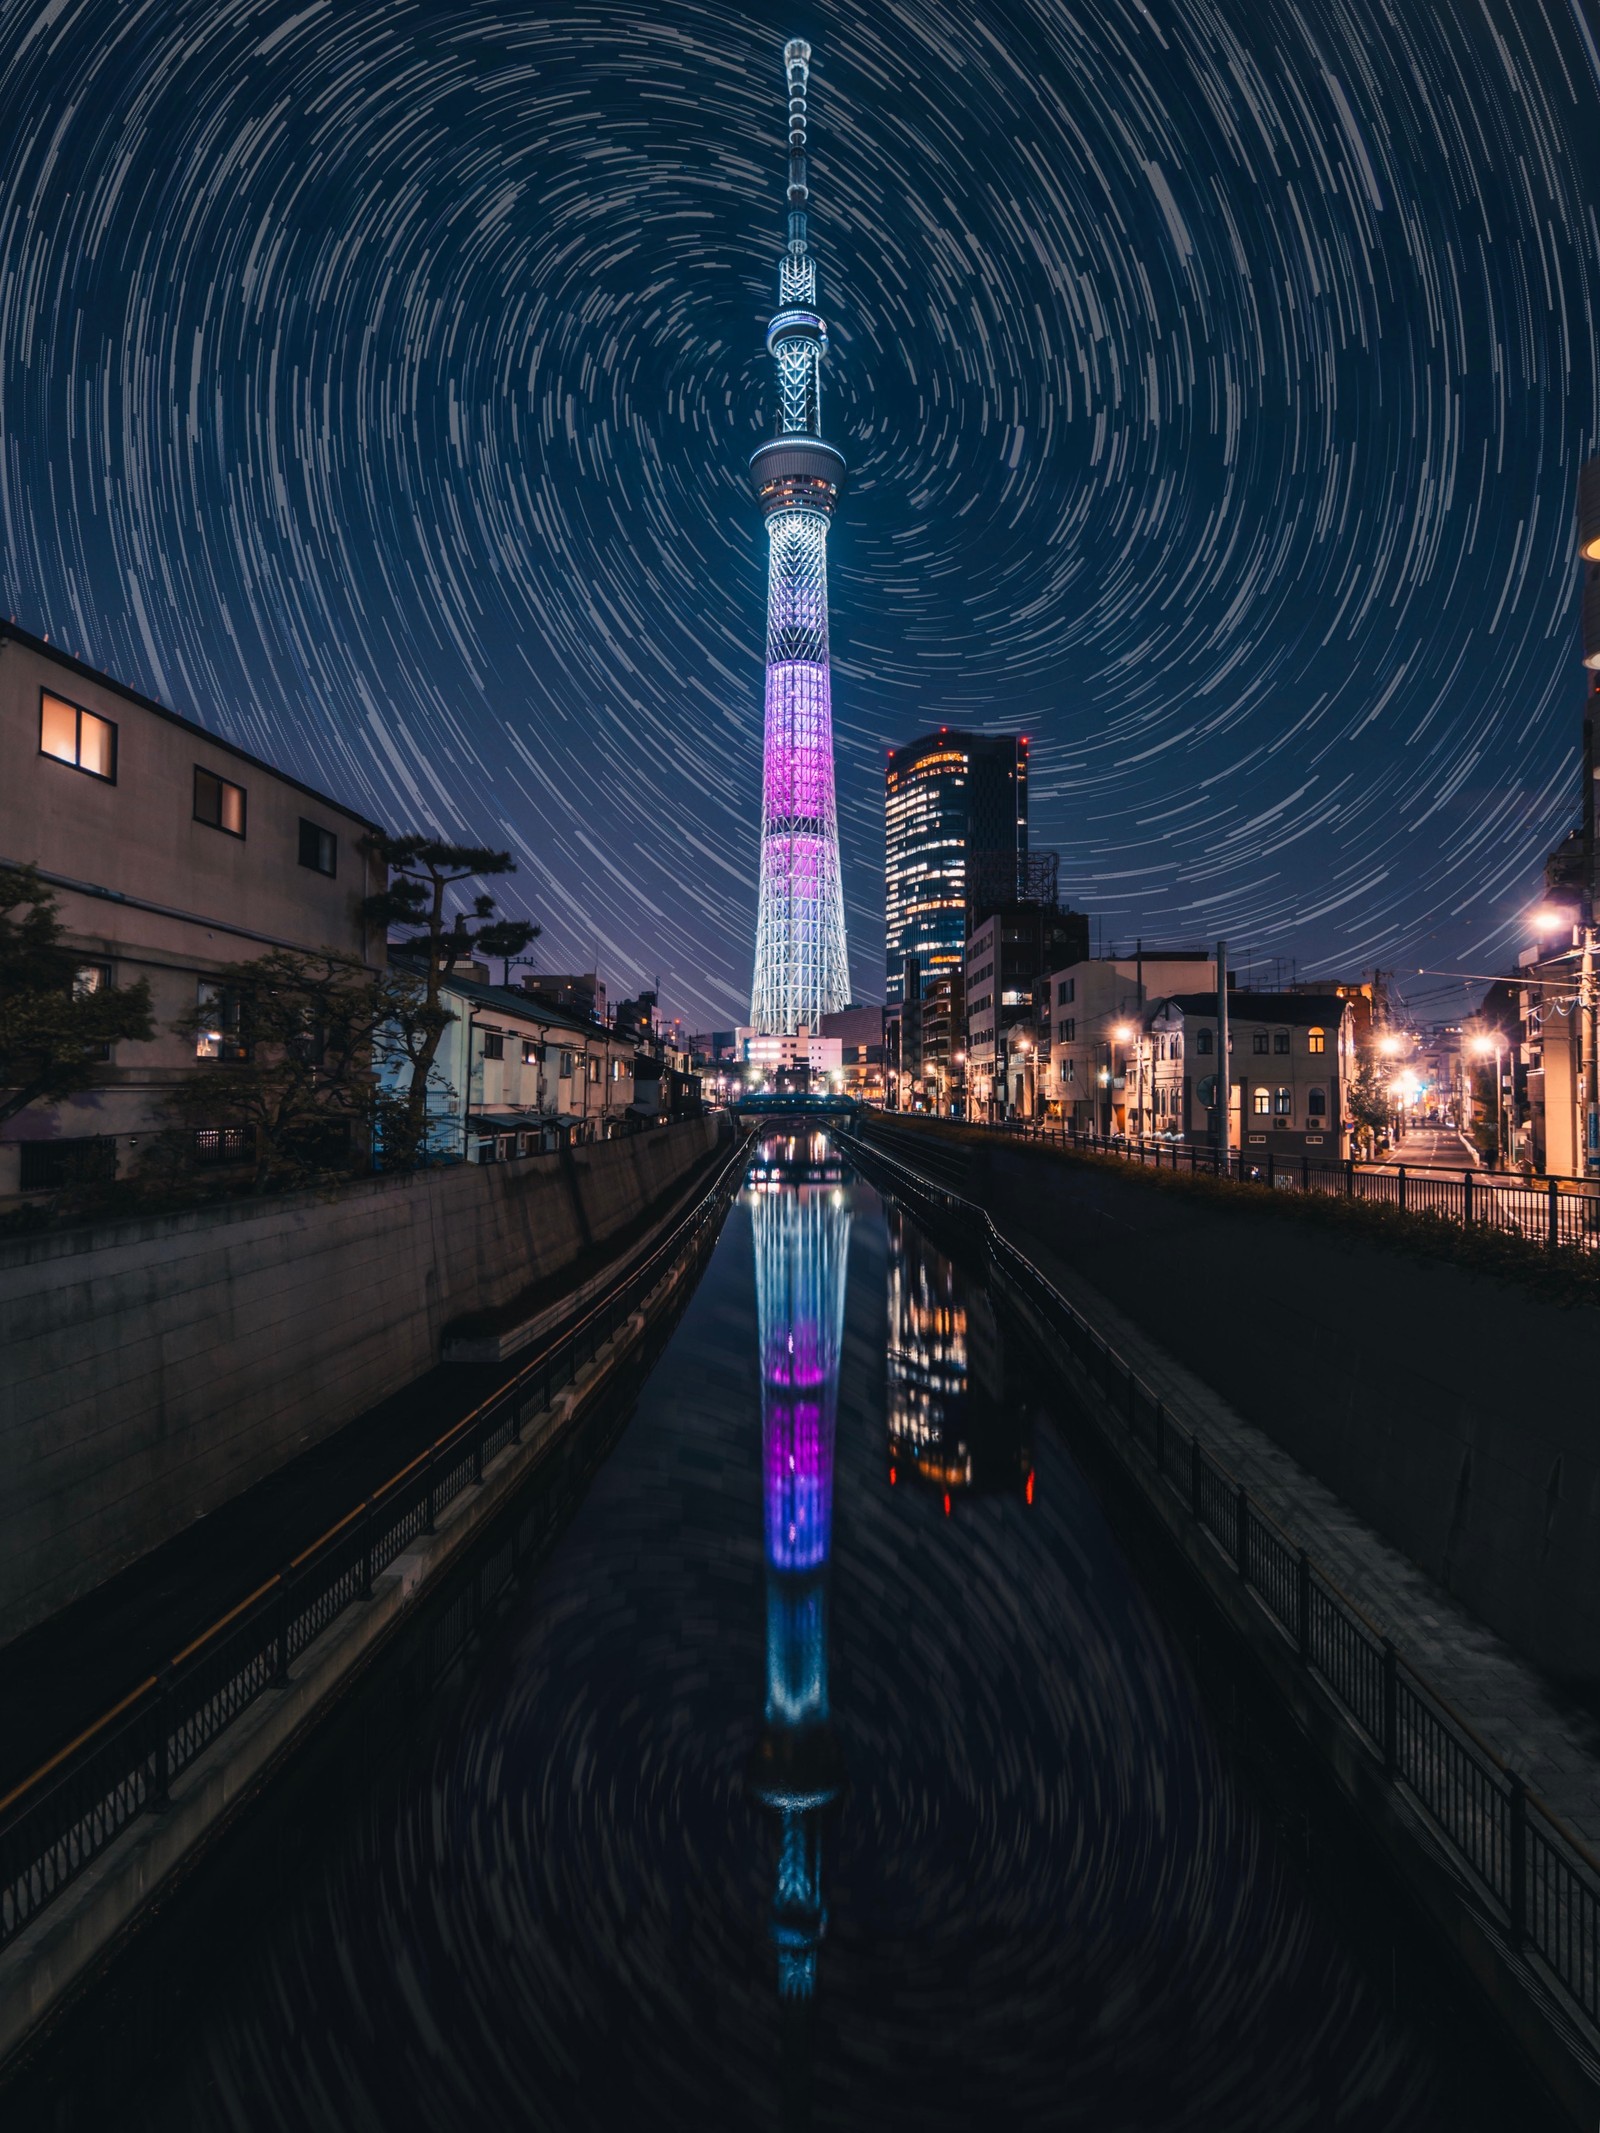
(956, 838)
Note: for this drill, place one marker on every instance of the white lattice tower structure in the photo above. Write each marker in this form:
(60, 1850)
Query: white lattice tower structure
(802, 968)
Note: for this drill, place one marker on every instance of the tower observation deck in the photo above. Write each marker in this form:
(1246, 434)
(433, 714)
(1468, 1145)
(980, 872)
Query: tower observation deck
(801, 966)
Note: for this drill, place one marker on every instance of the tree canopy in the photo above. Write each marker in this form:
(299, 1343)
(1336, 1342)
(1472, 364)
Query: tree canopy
(422, 872)
(58, 1016)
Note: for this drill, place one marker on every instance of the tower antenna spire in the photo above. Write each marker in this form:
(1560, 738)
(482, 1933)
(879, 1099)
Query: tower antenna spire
(797, 66)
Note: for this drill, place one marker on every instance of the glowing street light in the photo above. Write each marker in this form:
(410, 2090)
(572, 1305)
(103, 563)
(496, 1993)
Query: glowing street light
(1486, 1044)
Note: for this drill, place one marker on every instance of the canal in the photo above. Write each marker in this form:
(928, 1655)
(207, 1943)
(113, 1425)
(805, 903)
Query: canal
(819, 1748)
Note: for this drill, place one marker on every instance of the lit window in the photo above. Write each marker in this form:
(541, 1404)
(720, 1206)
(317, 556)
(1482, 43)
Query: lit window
(221, 1034)
(78, 737)
(530, 1052)
(88, 979)
(217, 803)
(319, 848)
(1283, 1102)
(1261, 1102)
(1316, 1041)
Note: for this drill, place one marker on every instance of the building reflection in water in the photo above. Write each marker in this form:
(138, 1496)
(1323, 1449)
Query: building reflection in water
(954, 1424)
(802, 1236)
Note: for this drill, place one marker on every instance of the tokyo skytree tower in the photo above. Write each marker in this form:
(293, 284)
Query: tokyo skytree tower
(802, 970)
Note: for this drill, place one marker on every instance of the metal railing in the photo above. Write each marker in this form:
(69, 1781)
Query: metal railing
(1540, 1878)
(58, 1821)
(1559, 1213)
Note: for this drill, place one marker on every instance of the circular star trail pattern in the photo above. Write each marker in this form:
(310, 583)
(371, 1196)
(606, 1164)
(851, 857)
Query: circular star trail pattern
(376, 384)
(1049, 1903)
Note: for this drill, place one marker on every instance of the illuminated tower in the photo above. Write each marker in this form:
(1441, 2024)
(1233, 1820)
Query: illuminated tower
(802, 1236)
(802, 971)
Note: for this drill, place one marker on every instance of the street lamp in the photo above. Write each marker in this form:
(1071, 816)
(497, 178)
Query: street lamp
(1550, 918)
(1484, 1044)
(1121, 1033)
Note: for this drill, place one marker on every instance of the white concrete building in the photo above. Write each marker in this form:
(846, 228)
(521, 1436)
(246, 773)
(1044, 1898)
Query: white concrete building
(514, 1077)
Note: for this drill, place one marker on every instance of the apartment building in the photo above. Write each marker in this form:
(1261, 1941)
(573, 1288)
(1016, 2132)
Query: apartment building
(171, 854)
(1094, 1010)
(1292, 1058)
(1006, 956)
(517, 1077)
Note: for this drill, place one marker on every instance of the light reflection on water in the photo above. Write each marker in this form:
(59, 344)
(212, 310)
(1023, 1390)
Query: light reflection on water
(833, 1769)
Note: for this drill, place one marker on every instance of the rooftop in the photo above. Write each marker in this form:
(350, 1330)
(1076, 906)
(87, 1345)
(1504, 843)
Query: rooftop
(11, 634)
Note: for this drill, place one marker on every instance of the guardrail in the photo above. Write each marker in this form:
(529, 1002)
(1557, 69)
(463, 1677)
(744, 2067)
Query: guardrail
(59, 1820)
(1554, 1211)
(1540, 1877)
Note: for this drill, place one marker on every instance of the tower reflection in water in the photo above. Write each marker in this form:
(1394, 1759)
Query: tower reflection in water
(802, 1236)
(954, 1422)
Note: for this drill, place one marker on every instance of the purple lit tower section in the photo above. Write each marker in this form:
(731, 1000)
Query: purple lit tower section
(802, 966)
(802, 1238)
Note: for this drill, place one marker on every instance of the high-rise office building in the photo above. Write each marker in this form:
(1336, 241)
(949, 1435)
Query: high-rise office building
(956, 844)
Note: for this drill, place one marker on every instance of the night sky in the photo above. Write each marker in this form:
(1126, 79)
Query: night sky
(377, 380)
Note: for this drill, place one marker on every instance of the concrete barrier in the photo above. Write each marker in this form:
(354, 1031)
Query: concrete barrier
(1454, 1412)
(155, 1368)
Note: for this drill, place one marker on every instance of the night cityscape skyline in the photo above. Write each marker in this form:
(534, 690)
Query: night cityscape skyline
(375, 390)
(798, 1304)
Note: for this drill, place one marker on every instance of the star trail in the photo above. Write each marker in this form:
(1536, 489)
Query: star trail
(377, 384)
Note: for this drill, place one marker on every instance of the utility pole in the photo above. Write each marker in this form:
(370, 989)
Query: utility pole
(1224, 1076)
(1588, 1005)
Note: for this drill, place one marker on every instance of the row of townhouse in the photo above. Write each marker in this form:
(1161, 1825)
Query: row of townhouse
(173, 854)
(516, 1076)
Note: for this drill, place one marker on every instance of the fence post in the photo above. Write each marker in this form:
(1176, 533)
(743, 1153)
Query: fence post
(1272, 1175)
(1303, 1609)
(1466, 1198)
(1194, 1475)
(1161, 1435)
(366, 1550)
(427, 1522)
(1241, 1530)
(160, 1789)
(1349, 1177)
(1305, 1172)
(280, 1664)
(1553, 1206)
(1391, 1710)
(1401, 1168)
(1517, 1848)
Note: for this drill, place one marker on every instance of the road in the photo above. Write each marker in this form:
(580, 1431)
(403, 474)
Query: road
(1434, 1148)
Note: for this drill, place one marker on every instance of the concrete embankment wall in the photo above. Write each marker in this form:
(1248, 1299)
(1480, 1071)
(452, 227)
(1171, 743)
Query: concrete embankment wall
(151, 1369)
(1455, 1412)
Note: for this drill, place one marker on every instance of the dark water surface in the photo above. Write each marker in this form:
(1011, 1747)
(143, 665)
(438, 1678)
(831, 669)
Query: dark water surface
(832, 1767)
